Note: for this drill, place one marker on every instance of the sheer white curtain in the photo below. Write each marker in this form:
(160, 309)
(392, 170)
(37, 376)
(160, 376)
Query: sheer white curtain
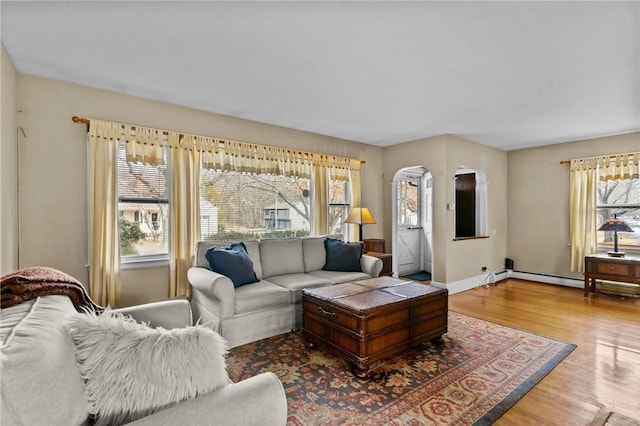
(104, 245)
(584, 176)
(582, 210)
(320, 199)
(622, 166)
(185, 212)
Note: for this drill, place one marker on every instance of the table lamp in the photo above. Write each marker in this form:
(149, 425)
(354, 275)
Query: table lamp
(616, 225)
(361, 216)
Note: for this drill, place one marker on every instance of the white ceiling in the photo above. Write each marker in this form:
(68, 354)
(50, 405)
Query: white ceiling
(505, 74)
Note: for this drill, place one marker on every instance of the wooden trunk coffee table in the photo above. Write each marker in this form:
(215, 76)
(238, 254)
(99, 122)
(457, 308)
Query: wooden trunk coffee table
(368, 320)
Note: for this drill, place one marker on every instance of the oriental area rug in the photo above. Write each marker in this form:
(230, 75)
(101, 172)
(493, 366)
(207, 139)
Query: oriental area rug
(471, 377)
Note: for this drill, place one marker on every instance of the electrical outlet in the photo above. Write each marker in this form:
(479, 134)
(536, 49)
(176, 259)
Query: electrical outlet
(484, 269)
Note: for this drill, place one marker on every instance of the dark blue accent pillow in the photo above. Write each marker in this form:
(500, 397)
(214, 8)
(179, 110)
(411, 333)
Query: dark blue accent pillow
(343, 256)
(234, 262)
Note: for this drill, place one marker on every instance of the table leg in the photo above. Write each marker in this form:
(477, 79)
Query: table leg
(361, 373)
(586, 286)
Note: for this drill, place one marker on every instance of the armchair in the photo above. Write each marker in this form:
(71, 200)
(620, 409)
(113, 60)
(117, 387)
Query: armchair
(41, 383)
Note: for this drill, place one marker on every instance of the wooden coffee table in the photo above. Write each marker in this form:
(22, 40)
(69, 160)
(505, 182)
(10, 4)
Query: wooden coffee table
(368, 320)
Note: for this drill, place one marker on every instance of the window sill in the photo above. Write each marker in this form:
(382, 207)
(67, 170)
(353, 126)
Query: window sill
(625, 250)
(475, 237)
(144, 263)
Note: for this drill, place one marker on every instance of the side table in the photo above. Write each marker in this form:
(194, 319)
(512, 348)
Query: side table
(603, 267)
(386, 262)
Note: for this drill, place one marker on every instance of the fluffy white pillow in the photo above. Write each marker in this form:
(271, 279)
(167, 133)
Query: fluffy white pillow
(131, 370)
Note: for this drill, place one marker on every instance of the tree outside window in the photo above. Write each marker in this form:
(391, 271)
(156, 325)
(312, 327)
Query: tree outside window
(238, 206)
(619, 198)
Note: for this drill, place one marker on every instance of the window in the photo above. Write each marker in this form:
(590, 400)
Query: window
(619, 198)
(339, 206)
(408, 196)
(143, 208)
(241, 206)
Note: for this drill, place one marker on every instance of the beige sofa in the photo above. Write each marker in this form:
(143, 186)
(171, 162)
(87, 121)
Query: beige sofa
(41, 382)
(271, 306)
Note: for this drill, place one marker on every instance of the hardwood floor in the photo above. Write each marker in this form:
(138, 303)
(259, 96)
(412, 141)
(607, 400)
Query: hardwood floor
(601, 375)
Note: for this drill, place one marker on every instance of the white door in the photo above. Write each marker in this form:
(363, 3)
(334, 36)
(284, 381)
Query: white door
(409, 230)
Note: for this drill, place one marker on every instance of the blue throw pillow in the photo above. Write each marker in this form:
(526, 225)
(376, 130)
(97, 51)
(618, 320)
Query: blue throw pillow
(343, 256)
(233, 262)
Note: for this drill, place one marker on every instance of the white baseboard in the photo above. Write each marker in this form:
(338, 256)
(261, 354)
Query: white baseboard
(549, 279)
(495, 277)
(469, 283)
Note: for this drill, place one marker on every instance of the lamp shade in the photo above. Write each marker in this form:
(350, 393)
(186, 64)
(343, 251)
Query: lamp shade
(361, 216)
(615, 225)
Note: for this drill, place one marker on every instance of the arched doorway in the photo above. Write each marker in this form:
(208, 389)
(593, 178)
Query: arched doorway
(412, 221)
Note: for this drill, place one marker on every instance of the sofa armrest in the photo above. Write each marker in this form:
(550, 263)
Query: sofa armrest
(167, 314)
(259, 400)
(214, 285)
(371, 265)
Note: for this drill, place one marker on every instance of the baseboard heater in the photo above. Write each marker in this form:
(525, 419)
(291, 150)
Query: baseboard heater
(548, 278)
(497, 276)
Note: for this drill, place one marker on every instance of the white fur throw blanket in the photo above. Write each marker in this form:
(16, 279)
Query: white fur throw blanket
(131, 370)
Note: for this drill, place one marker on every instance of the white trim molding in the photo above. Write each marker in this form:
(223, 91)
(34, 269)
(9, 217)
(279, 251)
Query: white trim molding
(495, 277)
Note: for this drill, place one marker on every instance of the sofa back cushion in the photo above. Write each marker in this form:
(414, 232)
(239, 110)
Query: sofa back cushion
(281, 257)
(41, 383)
(314, 252)
(252, 246)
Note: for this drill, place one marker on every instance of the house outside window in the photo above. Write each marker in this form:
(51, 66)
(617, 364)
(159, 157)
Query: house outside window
(143, 209)
(619, 198)
(259, 206)
(255, 206)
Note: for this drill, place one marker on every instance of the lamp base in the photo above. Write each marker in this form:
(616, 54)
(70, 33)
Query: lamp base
(615, 253)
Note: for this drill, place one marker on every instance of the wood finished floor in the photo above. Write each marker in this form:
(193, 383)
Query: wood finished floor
(601, 375)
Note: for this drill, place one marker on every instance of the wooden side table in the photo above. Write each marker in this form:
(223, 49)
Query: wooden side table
(602, 267)
(374, 244)
(386, 262)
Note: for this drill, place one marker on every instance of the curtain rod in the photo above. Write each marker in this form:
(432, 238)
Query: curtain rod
(87, 121)
(597, 156)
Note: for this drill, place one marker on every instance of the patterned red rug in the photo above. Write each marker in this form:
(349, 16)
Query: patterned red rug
(475, 374)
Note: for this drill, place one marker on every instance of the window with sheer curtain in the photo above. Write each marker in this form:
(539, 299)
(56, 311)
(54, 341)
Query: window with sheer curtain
(601, 187)
(618, 196)
(156, 192)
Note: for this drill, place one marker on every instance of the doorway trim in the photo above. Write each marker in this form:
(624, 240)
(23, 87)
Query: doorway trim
(426, 209)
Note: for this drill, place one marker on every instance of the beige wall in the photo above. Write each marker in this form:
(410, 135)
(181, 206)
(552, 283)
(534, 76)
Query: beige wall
(442, 155)
(8, 166)
(54, 169)
(530, 194)
(538, 187)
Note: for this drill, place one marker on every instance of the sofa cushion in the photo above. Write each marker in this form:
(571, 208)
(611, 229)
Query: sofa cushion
(233, 262)
(132, 370)
(314, 253)
(41, 383)
(343, 256)
(261, 295)
(252, 246)
(295, 283)
(281, 257)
